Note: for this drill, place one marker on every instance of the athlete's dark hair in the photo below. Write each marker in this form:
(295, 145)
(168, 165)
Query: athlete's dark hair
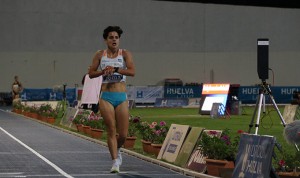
(112, 29)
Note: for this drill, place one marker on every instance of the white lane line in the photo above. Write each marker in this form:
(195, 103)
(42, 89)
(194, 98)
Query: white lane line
(39, 155)
(10, 173)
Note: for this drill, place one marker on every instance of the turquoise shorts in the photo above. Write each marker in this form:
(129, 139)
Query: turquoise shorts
(114, 98)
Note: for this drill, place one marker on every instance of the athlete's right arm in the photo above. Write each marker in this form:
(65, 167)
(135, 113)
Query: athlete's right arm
(93, 72)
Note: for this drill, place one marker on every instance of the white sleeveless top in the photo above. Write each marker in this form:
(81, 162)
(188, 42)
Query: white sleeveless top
(114, 62)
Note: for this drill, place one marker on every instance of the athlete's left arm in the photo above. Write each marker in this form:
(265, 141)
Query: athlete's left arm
(130, 68)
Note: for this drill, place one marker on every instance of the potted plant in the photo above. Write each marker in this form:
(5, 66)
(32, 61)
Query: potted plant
(289, 165)
(159, 133)
(219, 150)
(34, 111)
(96, 122)
(51, 115)
(97, 125)
(146, 134)
(44, 111)
(26, 110)
(17, 107)
(80, 119)
(133, 126)
(48, 113)
(132, 131)
(145, 131)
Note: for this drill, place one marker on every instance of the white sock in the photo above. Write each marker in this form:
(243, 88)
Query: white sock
(119, 156)
(116, 161)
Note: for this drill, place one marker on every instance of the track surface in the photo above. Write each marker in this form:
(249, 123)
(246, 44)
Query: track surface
(32, 149)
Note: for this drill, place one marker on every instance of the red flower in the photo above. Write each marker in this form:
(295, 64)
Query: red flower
(281, 163)
(213, 132)
(162, 123)
(240, 131)
(136, 120)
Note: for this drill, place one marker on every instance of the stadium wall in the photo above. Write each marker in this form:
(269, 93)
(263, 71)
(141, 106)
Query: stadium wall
(48, 43)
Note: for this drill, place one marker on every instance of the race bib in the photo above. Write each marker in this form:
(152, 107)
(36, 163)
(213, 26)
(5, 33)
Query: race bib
(113, 78)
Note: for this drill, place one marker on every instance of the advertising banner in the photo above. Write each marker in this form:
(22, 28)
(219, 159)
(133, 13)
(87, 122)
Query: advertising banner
(144, 94)
(282, 95)
(31, 94)
(47, 94)
(182, 91)
(171, 102)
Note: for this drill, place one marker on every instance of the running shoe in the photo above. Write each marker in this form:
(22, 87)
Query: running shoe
(115, 168)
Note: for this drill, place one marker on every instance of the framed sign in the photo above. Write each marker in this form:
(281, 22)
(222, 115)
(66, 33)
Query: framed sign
(254, 156)
(188, 146)
(69, 114)
(173, 142)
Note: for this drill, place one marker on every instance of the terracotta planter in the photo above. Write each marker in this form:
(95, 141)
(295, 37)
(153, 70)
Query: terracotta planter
(86, 129)
(34, 115)
(156, 148)
(26, 114)
(288, 174)
(146, 146)
(129, 142)
(51, 120)
(213, 165)
(40, 117)
(18, 111)
(30, 114)
(79, 128)
(44, 118)
(96, 133)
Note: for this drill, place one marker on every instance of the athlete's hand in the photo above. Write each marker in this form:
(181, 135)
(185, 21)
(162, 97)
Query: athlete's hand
(109, 70)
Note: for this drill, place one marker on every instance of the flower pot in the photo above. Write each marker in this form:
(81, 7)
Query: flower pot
(96, 133)
(44, 118)
(156, 148)
(146, 146)
(129, 142)
(79, 128)
(34, 115)
(18, 111)
(213, 165)
(40, 117)
(26, 113)
(31, 114)
(288, 174)
(86, 129)
(51, 120)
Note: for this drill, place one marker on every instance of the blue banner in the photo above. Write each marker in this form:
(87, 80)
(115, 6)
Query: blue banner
(144, 94)
(171, 102)
(182, 92)
(282, 95)
(47, 94)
